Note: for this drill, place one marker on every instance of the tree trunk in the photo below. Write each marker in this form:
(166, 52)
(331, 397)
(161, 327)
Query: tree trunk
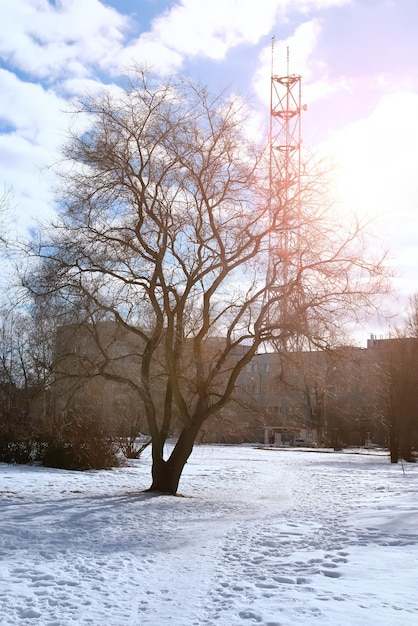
(406, 450)
(393, 443)
(166, 474)
(164, 480)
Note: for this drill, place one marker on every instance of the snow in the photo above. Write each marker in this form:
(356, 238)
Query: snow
(268, 537)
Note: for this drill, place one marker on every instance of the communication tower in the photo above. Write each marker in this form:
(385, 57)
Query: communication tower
(285, 190)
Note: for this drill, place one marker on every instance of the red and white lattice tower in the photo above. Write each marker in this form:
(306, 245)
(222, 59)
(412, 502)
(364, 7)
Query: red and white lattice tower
(285, 186)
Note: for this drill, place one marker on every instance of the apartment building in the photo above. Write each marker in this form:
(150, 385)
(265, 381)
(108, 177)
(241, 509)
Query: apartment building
(290, 398)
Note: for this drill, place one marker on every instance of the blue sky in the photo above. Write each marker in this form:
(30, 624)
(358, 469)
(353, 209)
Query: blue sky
(358, 60)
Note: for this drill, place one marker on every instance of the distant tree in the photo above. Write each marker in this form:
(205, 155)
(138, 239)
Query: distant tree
(26, 353)
(398, 361)
(5, 213)
(412, 321)
(164, 228)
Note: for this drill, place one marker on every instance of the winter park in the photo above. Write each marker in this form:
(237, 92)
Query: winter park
(271, 537)
(208, 313)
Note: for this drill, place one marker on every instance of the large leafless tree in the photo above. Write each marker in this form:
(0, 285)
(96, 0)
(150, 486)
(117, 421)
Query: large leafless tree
(164, 228)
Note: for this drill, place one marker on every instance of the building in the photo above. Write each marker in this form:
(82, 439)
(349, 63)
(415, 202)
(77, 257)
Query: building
(291, 398)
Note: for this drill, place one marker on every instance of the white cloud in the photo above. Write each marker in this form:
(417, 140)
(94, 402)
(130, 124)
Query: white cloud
(148, 51)
(23, 171)
(35, 121)
(194, 28)
(197, 27)
(65, 44)
(57, 44)
(210, 29)
(296, 55)
(300, 46)
(35, 112)
(45, 40)
(378, 156)
(76, 87)
(375, 176)
(308, 5)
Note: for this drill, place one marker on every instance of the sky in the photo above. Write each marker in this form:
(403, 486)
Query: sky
(267, 537)
(358, 60)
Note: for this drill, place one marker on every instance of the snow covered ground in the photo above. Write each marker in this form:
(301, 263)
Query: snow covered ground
(267, 537)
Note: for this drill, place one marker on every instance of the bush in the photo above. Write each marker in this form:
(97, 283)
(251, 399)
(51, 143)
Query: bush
(133, 447)
(78, 443)
(18, 450)
(66, 441)
(17, 441)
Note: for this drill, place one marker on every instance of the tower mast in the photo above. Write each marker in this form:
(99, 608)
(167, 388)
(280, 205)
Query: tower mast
(284, 194)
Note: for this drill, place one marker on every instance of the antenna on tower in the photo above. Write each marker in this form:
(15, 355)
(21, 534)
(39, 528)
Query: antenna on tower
(284, 196)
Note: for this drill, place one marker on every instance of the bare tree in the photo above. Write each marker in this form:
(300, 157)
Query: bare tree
(164, 228)
(398, 360)
(401, 375)
(5, 214)
(26, 353)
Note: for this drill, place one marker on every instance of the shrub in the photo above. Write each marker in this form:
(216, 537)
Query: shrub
(18, 450)
(66, 441)
(18, 443)
(78, 442)
(133, 447)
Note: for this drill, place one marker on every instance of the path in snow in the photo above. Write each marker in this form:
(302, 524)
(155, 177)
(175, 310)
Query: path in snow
(266, 537)
(303, 557)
